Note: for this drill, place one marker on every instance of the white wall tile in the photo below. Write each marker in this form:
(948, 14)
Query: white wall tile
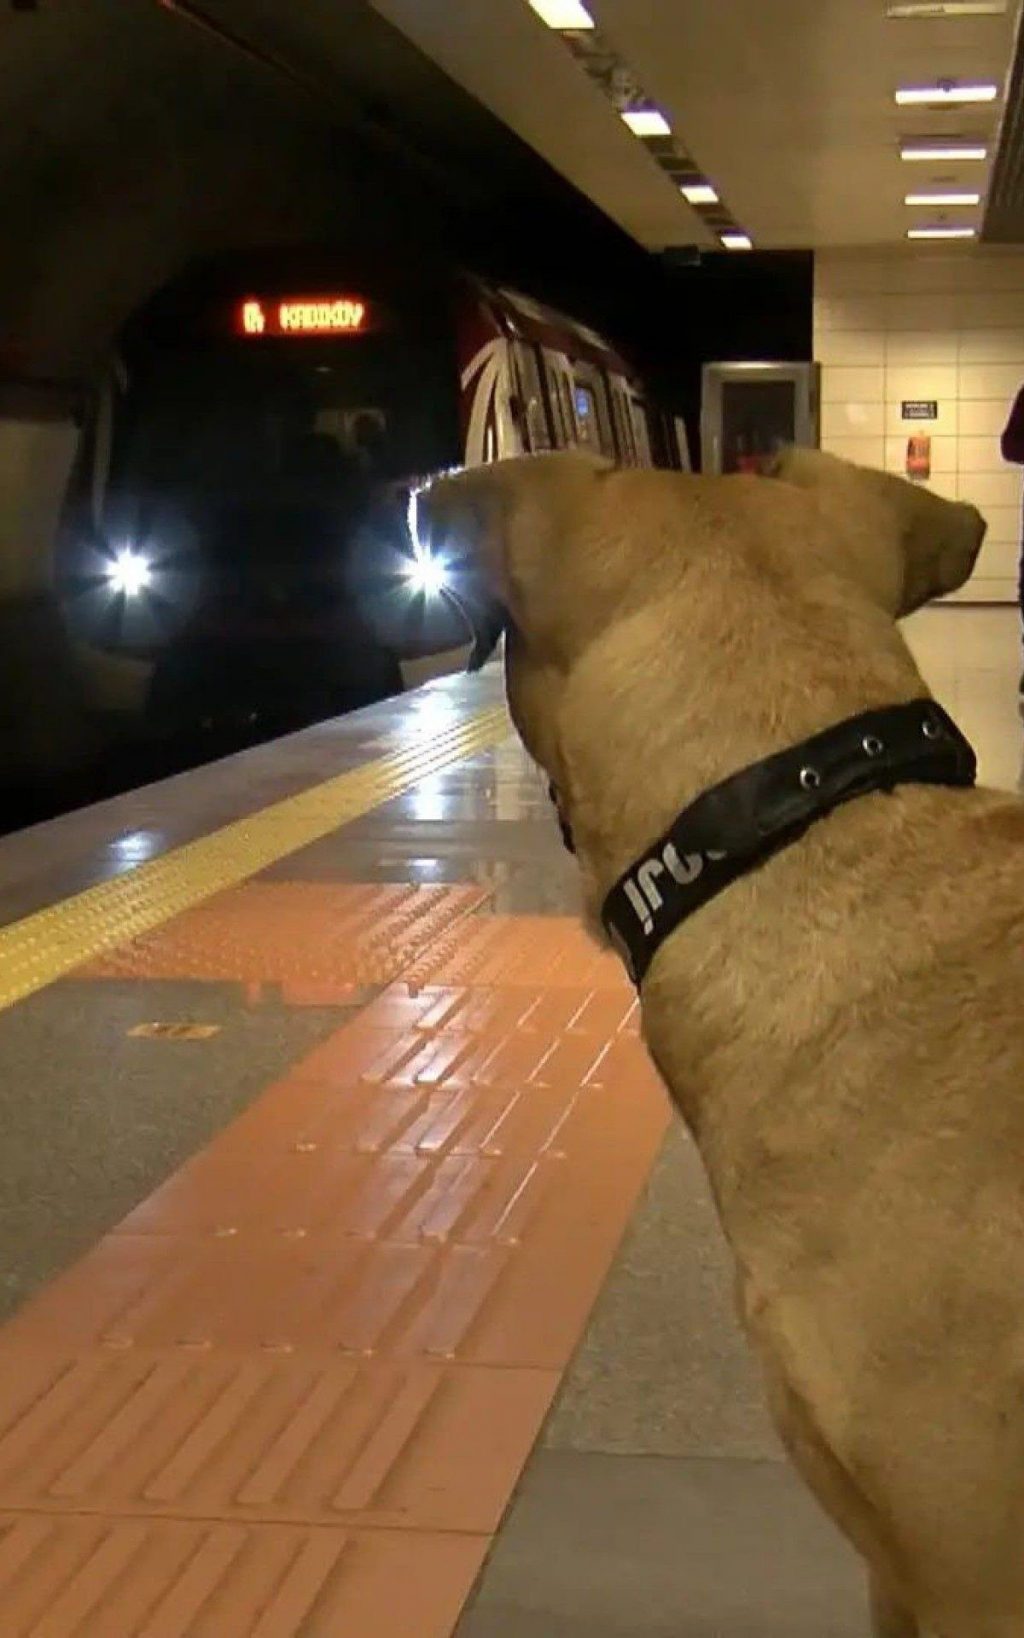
(1003, 522)
(981, 589)
(839, 275)
(983, 418)
(944, 426)
(945, 484)
(943, 451)
(919, 312)
(863, 451)
(906, 348)
(999, 557)
(993, 270)
(849, 384)
(980, 454)
(918, 271)
(989, 489)
(946, 325)
(852, 421)
(850, 347)
(923, 381)
(992, 347)
(1004, 310)
(990, 381)
(850, 313)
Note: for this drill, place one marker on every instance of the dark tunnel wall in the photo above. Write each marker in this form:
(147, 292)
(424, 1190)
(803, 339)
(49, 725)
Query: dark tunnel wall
(136, 144)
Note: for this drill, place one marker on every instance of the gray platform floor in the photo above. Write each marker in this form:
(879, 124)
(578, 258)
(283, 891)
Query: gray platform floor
(657, 1502)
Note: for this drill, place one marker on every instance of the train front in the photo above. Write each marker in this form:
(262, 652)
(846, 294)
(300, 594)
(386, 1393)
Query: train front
(249, 551)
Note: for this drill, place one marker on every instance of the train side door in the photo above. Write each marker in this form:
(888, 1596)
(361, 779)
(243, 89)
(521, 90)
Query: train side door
(682, 438)
(593, 411)
(623, 419)
(560, 384)
(641, 429)
(532, 416)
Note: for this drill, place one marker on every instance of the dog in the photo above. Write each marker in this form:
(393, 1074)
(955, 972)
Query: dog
(839, 1027)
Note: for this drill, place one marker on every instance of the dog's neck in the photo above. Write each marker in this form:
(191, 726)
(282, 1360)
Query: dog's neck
(681, 720)
(778, 935)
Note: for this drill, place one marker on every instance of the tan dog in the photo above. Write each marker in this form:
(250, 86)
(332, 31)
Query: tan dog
(843, 1028)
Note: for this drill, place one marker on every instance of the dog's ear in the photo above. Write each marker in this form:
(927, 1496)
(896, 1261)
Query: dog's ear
(907, 544)
(493, 528)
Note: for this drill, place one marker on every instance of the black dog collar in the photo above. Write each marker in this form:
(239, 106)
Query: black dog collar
(735, 826)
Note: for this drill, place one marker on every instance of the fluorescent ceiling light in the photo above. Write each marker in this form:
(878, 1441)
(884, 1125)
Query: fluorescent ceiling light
(911, 95)
(699, 193)
(951, 151)
(737, 241)
(942, 199)
(562, 14)
(647, 122)
(945, 8)
(941, 233)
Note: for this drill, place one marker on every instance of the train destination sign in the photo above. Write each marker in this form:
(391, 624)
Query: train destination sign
(327, 315)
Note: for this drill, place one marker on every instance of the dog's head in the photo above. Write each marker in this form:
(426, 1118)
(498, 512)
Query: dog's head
(907, 544)
(652, 613)
(511, 535)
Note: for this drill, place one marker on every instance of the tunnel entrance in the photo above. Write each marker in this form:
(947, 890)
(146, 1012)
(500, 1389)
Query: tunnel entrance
(270, 413)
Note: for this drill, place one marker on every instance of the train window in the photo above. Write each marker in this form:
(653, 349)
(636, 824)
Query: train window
(531, 390)
(586, 416)
(591, 384)
(592, 417)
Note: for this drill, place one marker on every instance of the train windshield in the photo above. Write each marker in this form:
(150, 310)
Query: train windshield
(275, 451)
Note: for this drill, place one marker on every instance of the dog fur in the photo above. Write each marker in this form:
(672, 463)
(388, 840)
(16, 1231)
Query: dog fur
(842, 1028)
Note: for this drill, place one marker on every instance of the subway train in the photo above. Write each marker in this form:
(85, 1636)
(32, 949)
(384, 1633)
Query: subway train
(234, 546)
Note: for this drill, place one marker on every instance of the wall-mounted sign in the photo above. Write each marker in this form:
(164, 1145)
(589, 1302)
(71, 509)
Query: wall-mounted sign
(327, 315)
(919, 457)
(920, 409)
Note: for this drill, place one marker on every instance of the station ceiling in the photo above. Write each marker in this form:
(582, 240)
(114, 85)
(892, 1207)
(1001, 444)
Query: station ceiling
(788, 110)
(135, 139)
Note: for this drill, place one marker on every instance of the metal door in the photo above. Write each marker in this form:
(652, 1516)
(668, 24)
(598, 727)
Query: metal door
(750, 410)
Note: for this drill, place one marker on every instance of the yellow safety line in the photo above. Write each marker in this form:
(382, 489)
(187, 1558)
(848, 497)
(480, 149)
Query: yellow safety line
(52, 942)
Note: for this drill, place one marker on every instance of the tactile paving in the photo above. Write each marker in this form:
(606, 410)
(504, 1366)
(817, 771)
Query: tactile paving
(292, 1392)
(304, 1439)
(102, 1577)
(520, 950)
(295, 933)
(44, 947)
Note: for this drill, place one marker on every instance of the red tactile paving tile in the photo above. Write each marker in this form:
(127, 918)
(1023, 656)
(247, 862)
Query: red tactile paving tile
(535, 951)
(306, 1440)
(443, 1280)
(135, 1577)
(312, 936)
(349, 1314)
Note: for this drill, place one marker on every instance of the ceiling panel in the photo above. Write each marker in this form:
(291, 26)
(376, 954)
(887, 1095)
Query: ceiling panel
(523, 74)
(788, 108)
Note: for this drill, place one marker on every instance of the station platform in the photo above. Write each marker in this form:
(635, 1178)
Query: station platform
(356, 1280)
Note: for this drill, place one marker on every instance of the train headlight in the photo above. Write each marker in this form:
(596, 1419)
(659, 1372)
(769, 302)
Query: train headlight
(427, 575)
(129, 574)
